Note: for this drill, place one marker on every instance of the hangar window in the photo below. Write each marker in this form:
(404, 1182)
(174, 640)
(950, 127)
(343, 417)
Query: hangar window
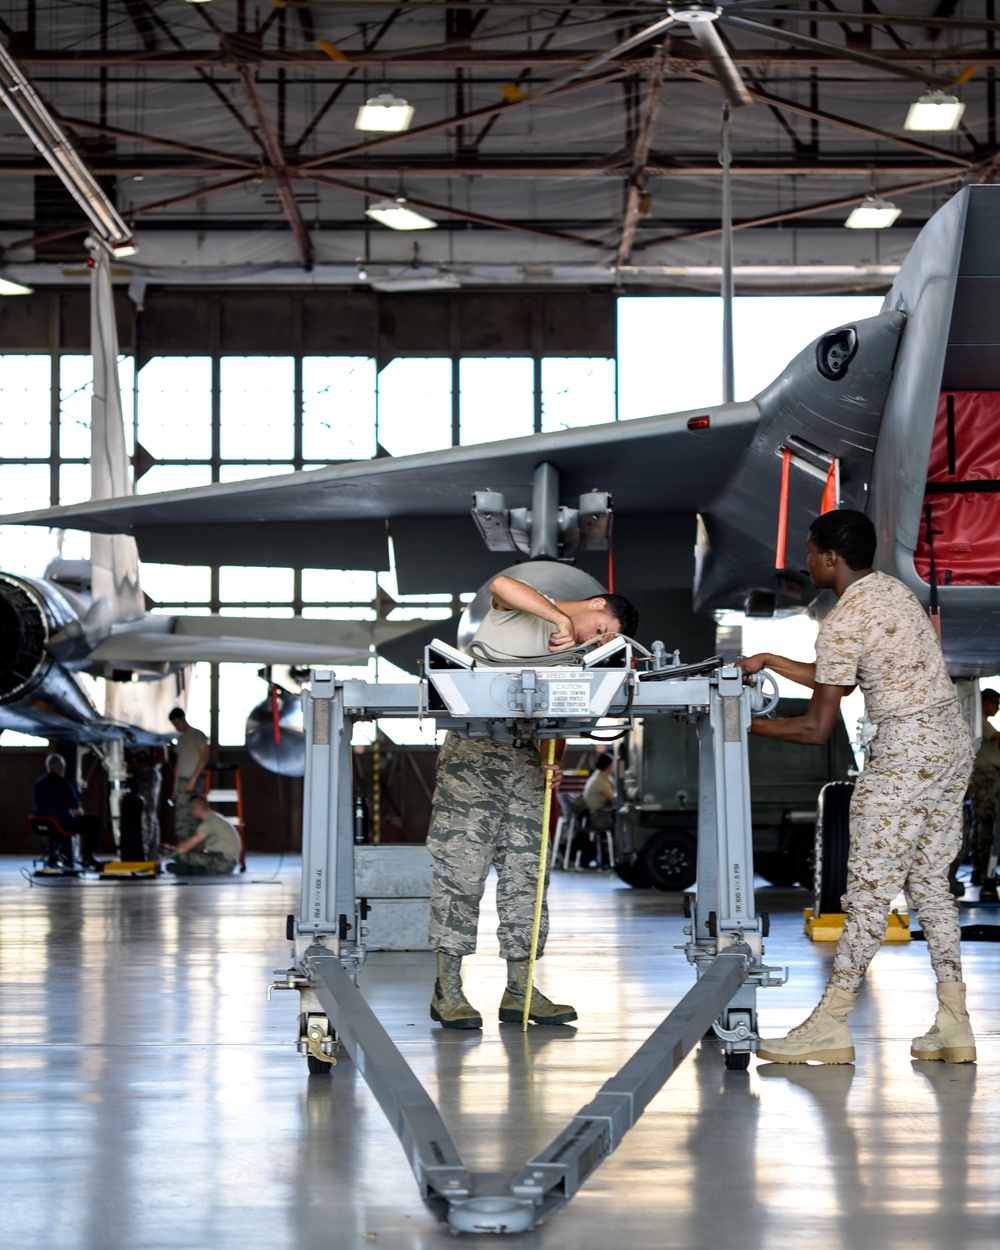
(25, 383)
(175, 409)
(338, 586)
(338, 408)
(239, 584)
(496, 397)
(24, 487)
(173, 477)
(74, 483)
(577, 391)
(414, 405)
(176, 583)
(76, 390)
(257, 407)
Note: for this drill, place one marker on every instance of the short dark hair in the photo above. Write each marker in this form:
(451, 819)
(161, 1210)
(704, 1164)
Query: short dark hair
(602, 761)
(848, 534)
(624, 612)
(177, 714)
(990, 693)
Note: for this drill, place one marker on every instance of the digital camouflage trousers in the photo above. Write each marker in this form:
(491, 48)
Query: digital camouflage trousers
(906, 828)
(487, 810)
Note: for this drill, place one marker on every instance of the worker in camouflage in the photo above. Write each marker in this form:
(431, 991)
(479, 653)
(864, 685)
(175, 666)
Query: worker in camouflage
(983, 792)
(906, 810)
(487, 809)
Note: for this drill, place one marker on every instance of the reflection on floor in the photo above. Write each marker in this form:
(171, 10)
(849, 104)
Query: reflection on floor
(150, 1098)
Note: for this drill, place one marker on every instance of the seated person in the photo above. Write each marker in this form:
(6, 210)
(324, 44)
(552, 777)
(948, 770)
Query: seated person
(59, 799)
(212, 850)
(593, 810)
(599, 793)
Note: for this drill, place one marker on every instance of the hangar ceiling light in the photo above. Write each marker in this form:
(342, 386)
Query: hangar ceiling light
(14, 288)
(397, 216)
(935, 111)
(873, 213)
(384, 112)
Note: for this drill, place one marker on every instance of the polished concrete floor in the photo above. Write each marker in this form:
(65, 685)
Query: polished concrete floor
(151, 1098)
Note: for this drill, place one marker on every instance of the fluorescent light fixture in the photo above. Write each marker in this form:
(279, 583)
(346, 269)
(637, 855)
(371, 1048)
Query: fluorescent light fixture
(418, 279)
(935, 111)
(385, 112)
(14, 288)
(397, 216)
(873, 213)
(32, 115)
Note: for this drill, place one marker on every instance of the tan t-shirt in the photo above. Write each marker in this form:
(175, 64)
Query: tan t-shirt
(220, 836)
(880, 638)
(512, 631)
(189, 746)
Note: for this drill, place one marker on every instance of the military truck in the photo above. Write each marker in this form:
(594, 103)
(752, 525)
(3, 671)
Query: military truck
(656, 824)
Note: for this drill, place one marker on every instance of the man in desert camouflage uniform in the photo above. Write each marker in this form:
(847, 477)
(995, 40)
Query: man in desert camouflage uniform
(906, 810)
(487, 810)
(985, 784)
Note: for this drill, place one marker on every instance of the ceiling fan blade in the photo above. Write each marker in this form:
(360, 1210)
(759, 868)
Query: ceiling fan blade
(835, 49)
(596, 62)
(720, 62)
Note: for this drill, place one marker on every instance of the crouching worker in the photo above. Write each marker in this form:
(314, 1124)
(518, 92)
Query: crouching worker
(906, 810)
(488, 801)
(212, 850)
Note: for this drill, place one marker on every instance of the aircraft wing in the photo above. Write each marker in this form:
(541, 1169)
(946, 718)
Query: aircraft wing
(653, 464)
(267, 640)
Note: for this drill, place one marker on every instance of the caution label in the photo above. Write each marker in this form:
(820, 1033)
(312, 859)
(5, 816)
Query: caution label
(569, 698)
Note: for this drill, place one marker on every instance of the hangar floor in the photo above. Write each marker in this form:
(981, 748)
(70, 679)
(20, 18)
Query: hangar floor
(151, 1100)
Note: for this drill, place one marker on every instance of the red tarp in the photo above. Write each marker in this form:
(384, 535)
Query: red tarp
(967, 550)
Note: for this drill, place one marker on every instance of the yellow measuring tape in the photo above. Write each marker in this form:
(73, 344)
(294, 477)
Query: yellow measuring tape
(543, 852)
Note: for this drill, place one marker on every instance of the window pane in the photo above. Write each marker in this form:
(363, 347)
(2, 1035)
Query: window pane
(76, 390)
(243, 472)
(28, 548)
(239, 584)
(25, 398)
(256, 407)
(577, 391)
(176, 583)
(74, 483)
(497, 397)
(669, 354)
(173, 477)
(414, 406)
(337, 586)
(24, 487)
(175, 408)
(343, 614)
(338, 407)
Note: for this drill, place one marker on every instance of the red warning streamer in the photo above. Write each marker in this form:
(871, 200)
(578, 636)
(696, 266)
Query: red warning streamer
(786, 465)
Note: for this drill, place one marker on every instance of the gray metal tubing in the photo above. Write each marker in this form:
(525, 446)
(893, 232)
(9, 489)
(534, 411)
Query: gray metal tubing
(557, 1172)
(432, 1155)
(545, 513)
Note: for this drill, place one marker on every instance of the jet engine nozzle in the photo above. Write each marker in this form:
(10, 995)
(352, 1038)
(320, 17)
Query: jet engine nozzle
(23, 635)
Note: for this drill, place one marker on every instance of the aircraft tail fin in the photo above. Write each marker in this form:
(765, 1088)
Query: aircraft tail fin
(114, 557)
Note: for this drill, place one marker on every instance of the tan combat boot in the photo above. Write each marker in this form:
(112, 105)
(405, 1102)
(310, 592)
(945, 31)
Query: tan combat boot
(950, 1036)
(449, 1006)
(542, 1011)
(823, 1038)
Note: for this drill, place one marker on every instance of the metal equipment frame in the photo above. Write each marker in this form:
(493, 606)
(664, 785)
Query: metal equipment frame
(725, 934)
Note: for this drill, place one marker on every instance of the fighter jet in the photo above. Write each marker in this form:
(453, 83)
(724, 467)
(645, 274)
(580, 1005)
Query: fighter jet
(897, 415)
(89, 617)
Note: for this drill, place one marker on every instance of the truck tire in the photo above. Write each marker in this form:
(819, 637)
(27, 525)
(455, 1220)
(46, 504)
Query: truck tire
(632, 873)
(833, 837)
(670, 859)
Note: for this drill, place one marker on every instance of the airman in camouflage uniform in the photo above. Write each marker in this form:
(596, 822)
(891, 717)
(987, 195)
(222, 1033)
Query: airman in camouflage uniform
(906, 810)
(488, 803)
(983, 791)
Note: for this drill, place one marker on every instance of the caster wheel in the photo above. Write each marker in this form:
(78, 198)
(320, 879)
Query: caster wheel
(738, 1061)
(317, 1067)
